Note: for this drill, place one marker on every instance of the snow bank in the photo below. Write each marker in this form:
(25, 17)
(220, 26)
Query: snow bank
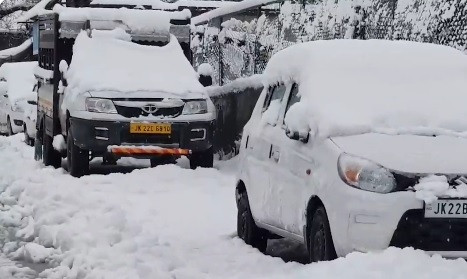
(139, 21)
(432, 187)
(107, 64)
(353, 86)
(11, 270)
(20, 80)
(16, 50)
(180, 225)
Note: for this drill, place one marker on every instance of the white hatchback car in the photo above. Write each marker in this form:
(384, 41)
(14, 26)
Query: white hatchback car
(16, 88)
(357, 146)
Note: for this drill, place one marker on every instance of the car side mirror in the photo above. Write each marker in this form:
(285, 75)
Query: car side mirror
(298, 136)
(205, 80)
(31, 102)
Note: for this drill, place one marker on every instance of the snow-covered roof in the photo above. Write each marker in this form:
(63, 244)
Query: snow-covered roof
(19, 79)
(16, 50)
(103, 63)
(231, 9)
(158, 4)
(37, 10)
(138, 21)
(353, 86)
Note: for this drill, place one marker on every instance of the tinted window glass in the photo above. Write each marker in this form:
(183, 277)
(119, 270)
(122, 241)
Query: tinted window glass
(294, 97)
(275, 93)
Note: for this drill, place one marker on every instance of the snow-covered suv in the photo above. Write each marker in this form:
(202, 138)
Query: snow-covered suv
(357, 146)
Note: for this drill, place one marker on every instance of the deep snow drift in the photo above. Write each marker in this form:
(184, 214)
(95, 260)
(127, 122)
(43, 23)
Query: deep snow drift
(165, 222)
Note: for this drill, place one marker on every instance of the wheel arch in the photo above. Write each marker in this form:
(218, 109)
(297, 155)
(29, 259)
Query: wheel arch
(240, 188)
(313, 204)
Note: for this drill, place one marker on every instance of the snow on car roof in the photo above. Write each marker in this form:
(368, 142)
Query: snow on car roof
(19, 79)
(353, 86)
(103, 63)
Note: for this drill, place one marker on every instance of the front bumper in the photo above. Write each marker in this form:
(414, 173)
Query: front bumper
(98, 135)
(377, 221)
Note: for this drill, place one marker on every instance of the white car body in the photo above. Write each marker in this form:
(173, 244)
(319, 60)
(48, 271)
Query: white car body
(29, 119)
(284, 176)
(16, 88)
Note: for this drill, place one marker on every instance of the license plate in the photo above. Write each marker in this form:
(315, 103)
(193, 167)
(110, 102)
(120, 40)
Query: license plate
(151, 128)
(446, 209)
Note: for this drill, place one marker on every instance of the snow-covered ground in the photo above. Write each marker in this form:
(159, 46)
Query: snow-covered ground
(164, 222)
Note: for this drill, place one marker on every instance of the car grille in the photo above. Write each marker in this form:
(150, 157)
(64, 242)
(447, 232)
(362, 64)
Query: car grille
(444, 234)
(131, 112)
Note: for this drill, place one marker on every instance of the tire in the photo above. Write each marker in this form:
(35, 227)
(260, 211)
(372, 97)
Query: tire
(78, 159)
(246, 226)
(50, 156)
(320, 244)
(27, 139)
(10, 129)
(38, 147)
(204, 159)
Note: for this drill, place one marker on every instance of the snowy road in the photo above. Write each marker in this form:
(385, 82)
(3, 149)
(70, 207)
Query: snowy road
(165, 222)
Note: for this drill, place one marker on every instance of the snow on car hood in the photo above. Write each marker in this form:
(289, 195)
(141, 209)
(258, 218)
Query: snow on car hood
(109, 64)
(409, 153)
(144, 95)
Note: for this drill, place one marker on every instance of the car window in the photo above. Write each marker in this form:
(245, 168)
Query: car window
(275, 93)
(293, 98)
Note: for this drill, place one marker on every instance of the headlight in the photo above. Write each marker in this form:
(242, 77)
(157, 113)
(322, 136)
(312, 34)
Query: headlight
(366, 175)
(100, 105)
(195, 107)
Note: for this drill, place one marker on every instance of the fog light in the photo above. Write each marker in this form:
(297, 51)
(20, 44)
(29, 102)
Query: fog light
(198, 134)
(18, 122)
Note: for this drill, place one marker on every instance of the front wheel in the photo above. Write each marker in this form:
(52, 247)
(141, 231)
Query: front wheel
(78, 159)
(246, 226)
(320, 244)
(10, 129)
(204, 159)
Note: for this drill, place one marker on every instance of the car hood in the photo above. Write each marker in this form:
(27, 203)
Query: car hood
(409, 153)
(145, 95)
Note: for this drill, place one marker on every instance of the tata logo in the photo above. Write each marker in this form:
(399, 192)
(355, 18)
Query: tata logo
(150, 108)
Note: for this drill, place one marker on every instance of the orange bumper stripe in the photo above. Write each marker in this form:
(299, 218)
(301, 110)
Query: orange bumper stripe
(132, 151)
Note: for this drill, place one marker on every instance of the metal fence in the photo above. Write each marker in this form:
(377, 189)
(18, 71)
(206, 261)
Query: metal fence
(235, 51)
